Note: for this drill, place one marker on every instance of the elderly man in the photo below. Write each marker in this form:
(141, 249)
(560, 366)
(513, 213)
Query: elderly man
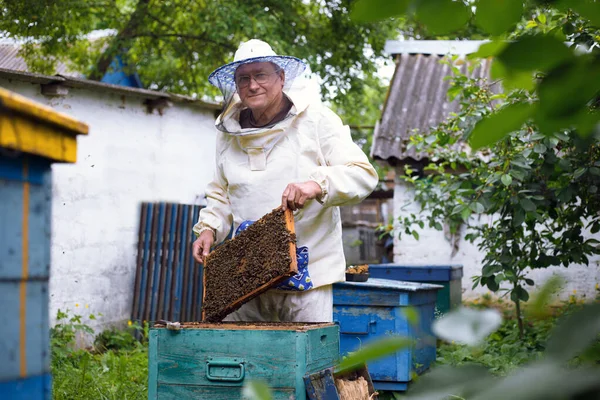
(274, 148)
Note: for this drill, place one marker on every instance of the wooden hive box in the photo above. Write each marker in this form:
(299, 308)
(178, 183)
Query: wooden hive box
(214, 361)
(252, 262)
(368, 311)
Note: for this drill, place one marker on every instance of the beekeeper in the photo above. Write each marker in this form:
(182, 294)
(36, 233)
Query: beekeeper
(274, 147)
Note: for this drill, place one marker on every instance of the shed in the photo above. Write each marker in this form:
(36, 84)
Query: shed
(143, 146)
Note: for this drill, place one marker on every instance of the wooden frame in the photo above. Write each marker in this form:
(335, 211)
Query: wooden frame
(289, 223)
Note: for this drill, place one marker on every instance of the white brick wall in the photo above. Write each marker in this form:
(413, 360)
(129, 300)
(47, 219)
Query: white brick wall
(433, 247)
(128, 157)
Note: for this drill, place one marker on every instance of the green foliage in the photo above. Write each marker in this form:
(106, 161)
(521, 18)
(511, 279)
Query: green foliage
(175, 44)
(373, 351)
(79, 373)
(557, 360)
(118, 339)
(503, 351)
(257, 390)
(498, 16)
(564, 82)
(539, 192)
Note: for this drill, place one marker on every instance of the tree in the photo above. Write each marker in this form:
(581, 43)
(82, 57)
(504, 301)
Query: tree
(175, 44)
(538, 194)
(538, 185)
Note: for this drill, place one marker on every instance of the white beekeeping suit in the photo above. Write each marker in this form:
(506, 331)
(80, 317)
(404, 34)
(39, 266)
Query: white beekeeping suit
(254, 166)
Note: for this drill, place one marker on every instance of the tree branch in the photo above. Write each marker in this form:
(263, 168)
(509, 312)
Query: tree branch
(132, 26)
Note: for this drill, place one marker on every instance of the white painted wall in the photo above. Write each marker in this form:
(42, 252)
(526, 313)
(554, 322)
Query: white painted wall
(129, 157)
(434, 247)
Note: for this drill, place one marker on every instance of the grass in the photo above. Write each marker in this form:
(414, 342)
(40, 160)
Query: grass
(115, 368)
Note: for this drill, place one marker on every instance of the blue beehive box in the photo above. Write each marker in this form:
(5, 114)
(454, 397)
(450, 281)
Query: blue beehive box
(213, 361)
(449, 276)
(367, 311)
(32, 137)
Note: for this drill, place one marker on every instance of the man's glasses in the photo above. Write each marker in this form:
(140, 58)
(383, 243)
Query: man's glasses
(261, 78)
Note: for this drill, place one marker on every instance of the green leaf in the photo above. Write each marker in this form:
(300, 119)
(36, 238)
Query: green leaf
(373, 351)
(539, 306)
(512, 79)
(506, 179)
(489, 49)
(477, 207)
(465, 214)
(527, 204)
(535, 53)
(518, 218)
(567, 342)
(442, 16)
(584, 122)
(498, 16)
(375, 10)
(531, 24)
(587, 9)
(489, 270)
(412, 315)
(257, 390)
(458, 209)
(494, 127)
(415, 234)
(579, 172)
(567, 89)
(542, 18)
(519, 293)
(492, 284)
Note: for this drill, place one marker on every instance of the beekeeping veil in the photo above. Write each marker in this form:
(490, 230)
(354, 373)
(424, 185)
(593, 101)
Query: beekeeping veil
(252, 51)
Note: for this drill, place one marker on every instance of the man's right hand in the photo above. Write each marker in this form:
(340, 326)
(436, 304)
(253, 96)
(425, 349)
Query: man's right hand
(202, 245)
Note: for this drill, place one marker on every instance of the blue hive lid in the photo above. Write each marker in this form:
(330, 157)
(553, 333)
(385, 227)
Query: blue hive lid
(416, 273)
(376, 283)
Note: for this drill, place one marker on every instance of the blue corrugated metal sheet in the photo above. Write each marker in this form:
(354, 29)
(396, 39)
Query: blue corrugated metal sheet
(168, 283)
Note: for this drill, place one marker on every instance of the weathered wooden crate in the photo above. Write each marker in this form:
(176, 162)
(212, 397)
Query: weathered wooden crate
(214, 361)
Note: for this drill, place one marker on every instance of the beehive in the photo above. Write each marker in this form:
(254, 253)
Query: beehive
(32, 137)
(367, 311)
(214, 361)
(253, 261)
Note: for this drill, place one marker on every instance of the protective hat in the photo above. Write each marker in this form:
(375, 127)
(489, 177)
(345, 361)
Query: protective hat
(252, 51)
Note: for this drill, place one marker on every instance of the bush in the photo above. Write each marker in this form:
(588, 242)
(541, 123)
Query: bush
(117, 368)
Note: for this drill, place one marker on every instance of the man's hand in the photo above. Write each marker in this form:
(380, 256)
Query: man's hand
(202, 245)
(296, 195)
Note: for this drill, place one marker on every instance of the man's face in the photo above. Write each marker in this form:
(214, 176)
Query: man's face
(259, 84)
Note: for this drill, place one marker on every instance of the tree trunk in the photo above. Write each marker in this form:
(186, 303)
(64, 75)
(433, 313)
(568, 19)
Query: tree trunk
(519, 319)
(135, 21)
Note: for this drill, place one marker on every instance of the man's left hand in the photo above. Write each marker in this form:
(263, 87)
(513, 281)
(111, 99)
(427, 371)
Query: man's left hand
(296, 195)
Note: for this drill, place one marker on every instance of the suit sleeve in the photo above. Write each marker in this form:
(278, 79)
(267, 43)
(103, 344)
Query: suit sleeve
(217, 215)
(348, 176)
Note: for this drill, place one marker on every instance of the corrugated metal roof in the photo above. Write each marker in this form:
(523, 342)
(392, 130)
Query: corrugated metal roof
(10, 59)
(417, 100)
